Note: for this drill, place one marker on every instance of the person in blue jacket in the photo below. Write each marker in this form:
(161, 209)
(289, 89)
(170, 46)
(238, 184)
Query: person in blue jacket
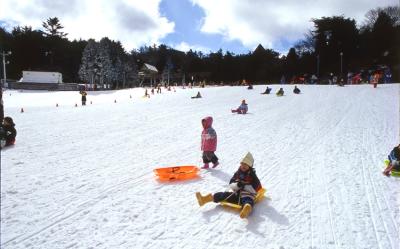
(296, 90)
(394, 161)
(242, 109)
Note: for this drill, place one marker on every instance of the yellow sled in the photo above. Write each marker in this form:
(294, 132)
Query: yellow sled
(392, 172)
(260, 195)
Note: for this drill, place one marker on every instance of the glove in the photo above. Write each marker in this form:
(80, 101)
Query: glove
(240, 185)
(234, 186)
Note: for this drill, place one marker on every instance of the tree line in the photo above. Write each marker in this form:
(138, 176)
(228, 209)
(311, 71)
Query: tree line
(336, 45)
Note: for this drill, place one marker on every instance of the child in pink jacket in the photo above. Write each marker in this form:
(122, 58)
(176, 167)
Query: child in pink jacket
(208, 143)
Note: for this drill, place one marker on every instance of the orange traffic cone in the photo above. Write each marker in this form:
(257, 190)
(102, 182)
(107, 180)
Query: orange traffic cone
(22, 110)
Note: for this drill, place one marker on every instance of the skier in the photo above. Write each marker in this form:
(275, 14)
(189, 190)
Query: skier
(394, 158)
(280, 92)
(244, 185)
(7, 132)
(83, 93)
(296, 90)
(242, 109)
(267, 91)
(208, 143)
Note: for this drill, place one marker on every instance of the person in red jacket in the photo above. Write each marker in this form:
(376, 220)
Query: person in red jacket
(244, 184)
(208, 143)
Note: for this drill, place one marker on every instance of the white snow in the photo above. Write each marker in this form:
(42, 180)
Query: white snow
(82, 177)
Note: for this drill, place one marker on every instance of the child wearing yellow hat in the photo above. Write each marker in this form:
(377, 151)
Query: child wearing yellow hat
(244, 185)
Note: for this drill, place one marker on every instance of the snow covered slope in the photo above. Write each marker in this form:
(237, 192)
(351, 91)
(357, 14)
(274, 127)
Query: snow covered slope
(82, 177)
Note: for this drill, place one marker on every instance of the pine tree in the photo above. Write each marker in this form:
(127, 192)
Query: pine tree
(53, 27)
(88, 65)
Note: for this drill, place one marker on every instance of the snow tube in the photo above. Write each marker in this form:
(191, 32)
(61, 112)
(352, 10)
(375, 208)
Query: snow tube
(259, 196)
(176, 173)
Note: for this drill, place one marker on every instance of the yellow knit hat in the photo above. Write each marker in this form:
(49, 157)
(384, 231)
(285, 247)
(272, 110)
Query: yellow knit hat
(248, 159)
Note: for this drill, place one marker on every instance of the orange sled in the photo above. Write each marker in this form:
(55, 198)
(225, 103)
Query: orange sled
(176, 173)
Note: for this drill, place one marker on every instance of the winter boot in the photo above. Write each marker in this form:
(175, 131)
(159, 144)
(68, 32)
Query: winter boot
(204, 199)
(245, 211)
(215, 164)
(206, 166)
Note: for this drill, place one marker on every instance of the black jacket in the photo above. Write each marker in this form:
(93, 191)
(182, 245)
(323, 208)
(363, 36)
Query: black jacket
(8, 133)
(395, 153)
(248, 177)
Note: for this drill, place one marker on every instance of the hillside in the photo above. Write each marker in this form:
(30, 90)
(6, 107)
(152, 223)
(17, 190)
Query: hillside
(82, 177)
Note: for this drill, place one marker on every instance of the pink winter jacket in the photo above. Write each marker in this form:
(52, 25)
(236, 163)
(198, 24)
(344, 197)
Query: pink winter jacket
(208, 136)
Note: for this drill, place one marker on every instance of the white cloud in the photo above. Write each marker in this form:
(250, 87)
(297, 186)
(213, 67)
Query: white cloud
(268, 22)
(133, 22)
(185, 47)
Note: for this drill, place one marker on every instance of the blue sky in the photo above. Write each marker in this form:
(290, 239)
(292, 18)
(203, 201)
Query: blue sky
(188, 20)
(237, 26)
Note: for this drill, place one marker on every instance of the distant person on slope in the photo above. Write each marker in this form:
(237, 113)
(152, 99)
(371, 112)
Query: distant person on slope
(242, 109)
(296, 90)
(280, 92)
(146, 94)
(208, 143)
(244, 184)
(394, 159)
(198, 96)
(83, 99)
(7, 132)
(267, 91)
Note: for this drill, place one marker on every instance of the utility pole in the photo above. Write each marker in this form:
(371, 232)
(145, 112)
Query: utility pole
(4, 54)
(341, 63)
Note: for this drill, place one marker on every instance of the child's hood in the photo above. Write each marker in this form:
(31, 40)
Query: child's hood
(208, 122)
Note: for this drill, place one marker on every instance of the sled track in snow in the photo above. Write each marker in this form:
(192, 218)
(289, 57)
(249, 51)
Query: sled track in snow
(80, 208)
(370, 187)
(370, 202)
(376, 197)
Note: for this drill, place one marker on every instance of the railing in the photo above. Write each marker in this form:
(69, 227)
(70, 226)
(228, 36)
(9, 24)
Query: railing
(43, 86)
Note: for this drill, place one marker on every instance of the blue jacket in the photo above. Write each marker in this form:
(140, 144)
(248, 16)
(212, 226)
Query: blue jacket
(394, 154)
(243, 107)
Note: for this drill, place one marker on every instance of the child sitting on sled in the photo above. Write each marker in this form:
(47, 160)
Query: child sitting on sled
(244, 185)
(198, 96)
(242, 109)
(280, 92)
(208, 143)
(296, 90)
(267, 91)
(394, 158)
